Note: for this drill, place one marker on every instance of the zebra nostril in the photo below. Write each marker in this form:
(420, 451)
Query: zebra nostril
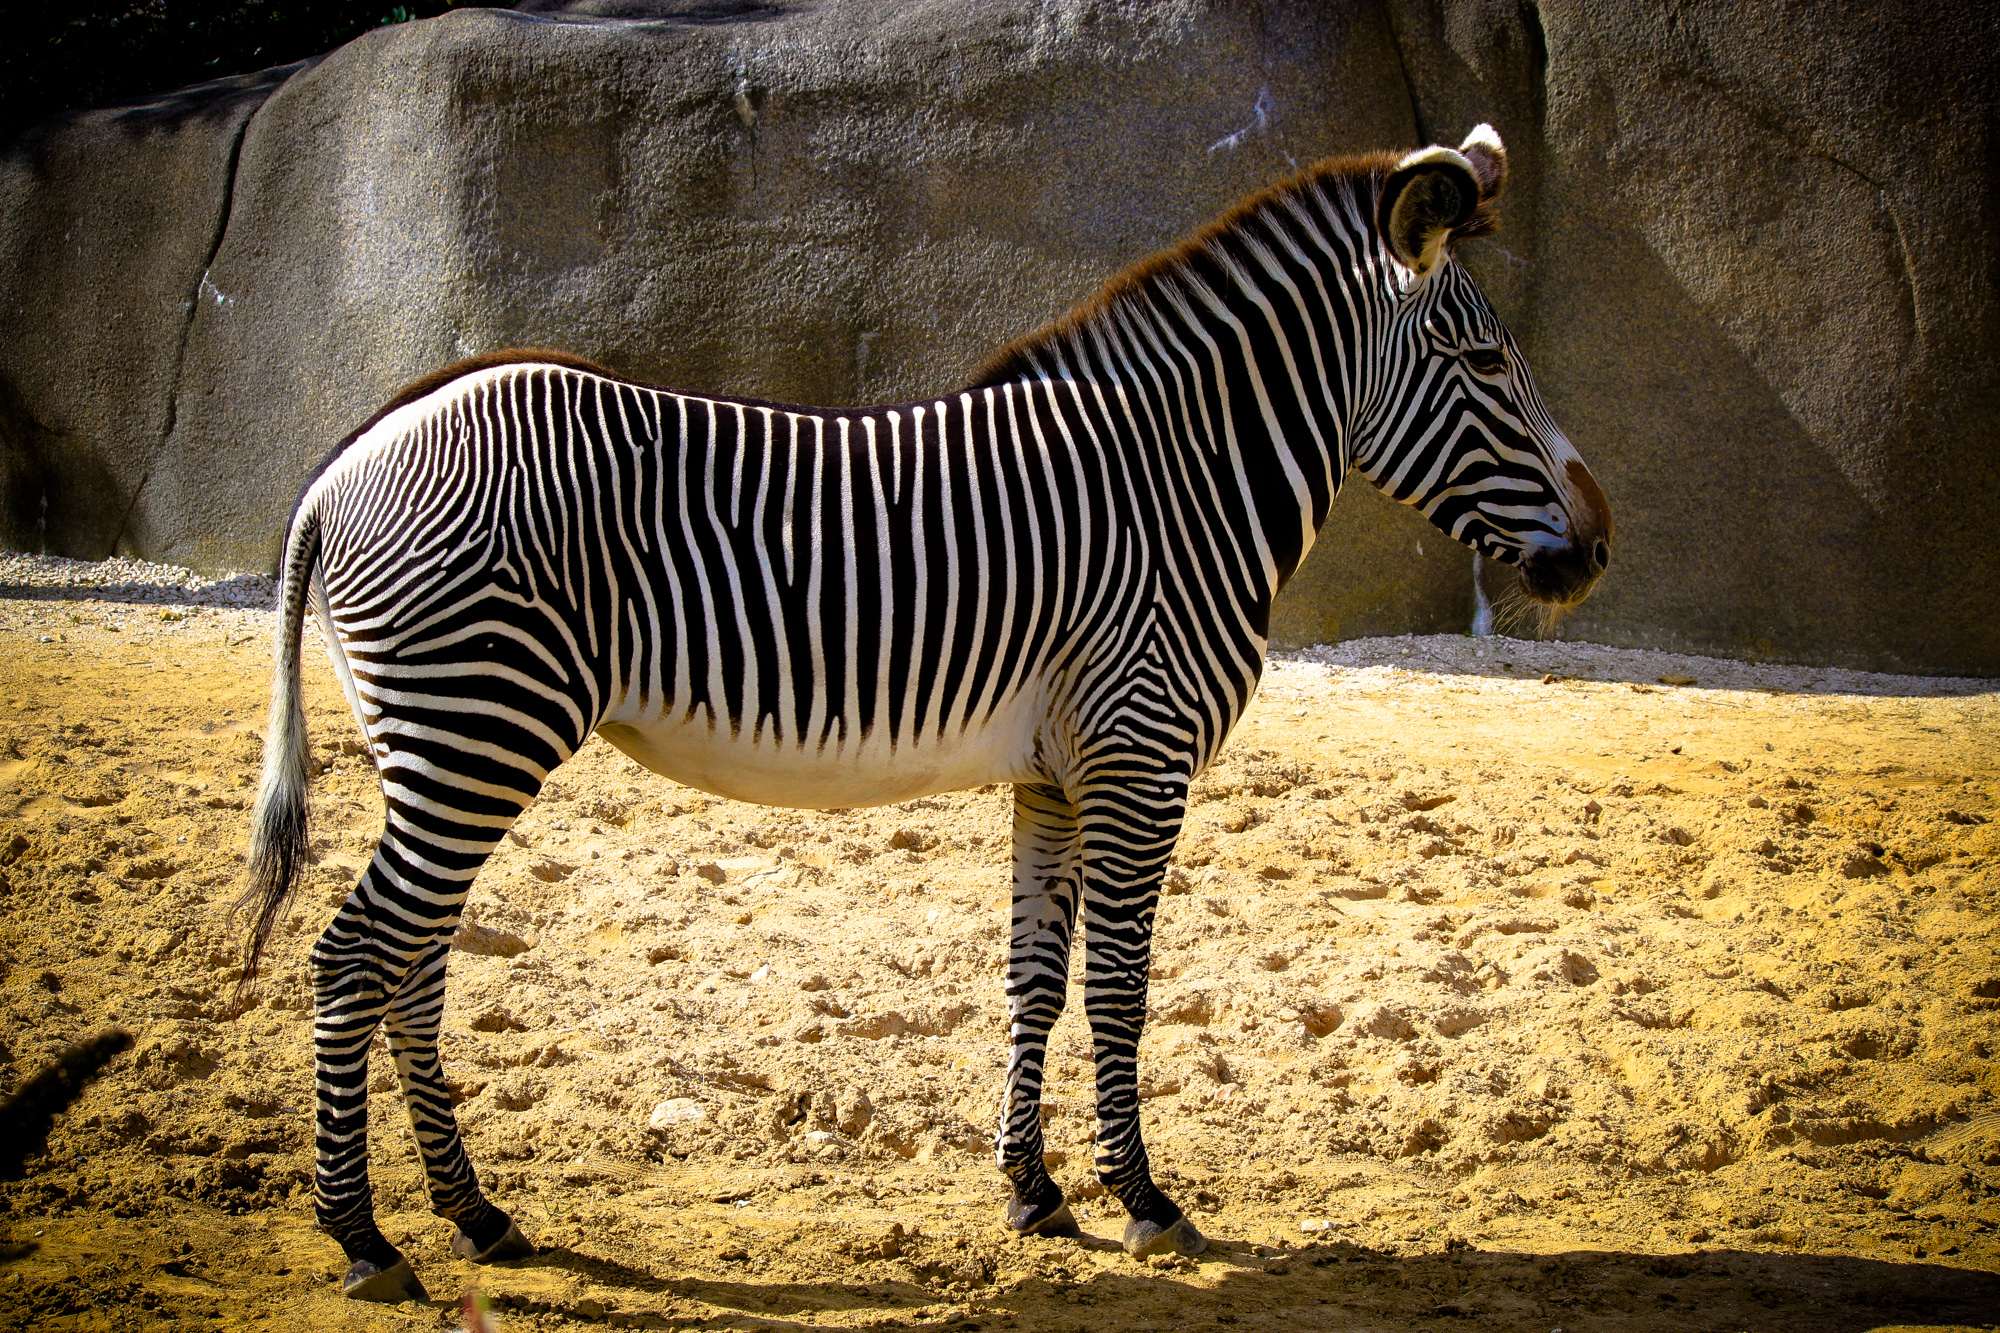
(1600, 556)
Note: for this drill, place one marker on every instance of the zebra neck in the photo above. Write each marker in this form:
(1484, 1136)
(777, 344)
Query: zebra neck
(1245, 393)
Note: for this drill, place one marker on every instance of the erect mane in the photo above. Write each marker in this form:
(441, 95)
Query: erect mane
(1018, 359)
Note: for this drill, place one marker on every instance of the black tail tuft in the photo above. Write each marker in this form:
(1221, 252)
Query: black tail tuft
(279, 850)
(278, 832)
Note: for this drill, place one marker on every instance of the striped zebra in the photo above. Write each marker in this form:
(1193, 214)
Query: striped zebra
(1059, 577)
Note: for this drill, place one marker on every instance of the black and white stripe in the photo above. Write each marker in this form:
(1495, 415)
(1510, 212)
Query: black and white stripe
(1060, 577)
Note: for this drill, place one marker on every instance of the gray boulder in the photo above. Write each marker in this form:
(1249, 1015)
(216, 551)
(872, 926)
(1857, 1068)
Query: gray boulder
(1764, 304)
(1745, 247)
(108, 220)
(827, 204)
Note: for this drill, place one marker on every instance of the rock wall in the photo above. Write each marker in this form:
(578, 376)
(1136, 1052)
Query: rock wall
(1746, 249)
(1763, 301)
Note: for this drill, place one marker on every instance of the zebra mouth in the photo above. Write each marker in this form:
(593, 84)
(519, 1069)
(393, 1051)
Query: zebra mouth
(1563, 576)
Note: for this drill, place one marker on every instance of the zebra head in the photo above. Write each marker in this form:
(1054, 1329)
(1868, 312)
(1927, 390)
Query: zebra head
(1457, 428)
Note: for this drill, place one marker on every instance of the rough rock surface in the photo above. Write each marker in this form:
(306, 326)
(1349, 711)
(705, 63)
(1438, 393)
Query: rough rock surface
(1760, 308)
(826, 204)
(1745, 248)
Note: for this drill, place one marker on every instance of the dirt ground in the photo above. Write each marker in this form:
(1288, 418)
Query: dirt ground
(1500, 986)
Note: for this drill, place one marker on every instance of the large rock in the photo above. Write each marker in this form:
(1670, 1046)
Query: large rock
(1751, 257)
(1746, 248)
(108, 220)
(839, 204)
(1776, 322)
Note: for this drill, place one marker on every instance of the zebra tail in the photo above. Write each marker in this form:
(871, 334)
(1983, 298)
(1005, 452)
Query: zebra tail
(278, 832)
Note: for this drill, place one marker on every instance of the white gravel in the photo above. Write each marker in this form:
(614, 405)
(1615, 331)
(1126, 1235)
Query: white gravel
(44, 578)
(119, 579)
(1525, 659)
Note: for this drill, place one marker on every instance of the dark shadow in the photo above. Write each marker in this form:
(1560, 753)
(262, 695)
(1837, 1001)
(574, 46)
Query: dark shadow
(592, 1269)
(218, 101)
(1343, 1286)
(692, 13)
(215, 100)
(29, 1112)
(757, 1298)
(56, 489)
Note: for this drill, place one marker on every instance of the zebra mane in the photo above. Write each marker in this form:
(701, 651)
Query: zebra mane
(1024, 356)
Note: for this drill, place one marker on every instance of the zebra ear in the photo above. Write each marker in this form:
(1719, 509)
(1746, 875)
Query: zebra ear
(1428, 193)
(1483, 149)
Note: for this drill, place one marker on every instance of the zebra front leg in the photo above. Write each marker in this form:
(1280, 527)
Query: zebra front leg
(1127, 834)
(485, 1234)
(1044, 914)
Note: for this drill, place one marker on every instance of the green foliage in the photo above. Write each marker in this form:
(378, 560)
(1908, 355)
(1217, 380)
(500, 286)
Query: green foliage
(103, 51)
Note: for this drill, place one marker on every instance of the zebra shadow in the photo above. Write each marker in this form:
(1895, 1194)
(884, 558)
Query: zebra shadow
(1331, 1287)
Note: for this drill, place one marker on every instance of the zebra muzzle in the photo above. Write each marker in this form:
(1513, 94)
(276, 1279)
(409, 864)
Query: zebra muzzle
(1564, 575)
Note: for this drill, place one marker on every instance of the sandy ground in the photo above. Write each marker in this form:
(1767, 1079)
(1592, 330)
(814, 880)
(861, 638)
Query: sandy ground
(1500, 986)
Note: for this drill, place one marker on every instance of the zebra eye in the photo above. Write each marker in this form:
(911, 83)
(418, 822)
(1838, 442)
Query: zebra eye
(1487, 360)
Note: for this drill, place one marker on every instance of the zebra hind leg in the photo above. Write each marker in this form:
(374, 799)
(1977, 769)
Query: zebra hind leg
(1127, 835)
(349, 1001)
(485, 1234)
(1044, 913)
(382, 959)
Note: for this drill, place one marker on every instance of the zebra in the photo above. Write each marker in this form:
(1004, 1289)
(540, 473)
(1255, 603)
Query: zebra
(1059, 577)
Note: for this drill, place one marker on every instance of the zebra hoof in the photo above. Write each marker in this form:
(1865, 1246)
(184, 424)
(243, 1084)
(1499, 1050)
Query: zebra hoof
(1148, 1238)
(398, 1282)
(512, 1245)
(1025, 1220)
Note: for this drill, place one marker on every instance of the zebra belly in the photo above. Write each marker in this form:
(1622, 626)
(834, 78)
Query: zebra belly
(872, 772)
